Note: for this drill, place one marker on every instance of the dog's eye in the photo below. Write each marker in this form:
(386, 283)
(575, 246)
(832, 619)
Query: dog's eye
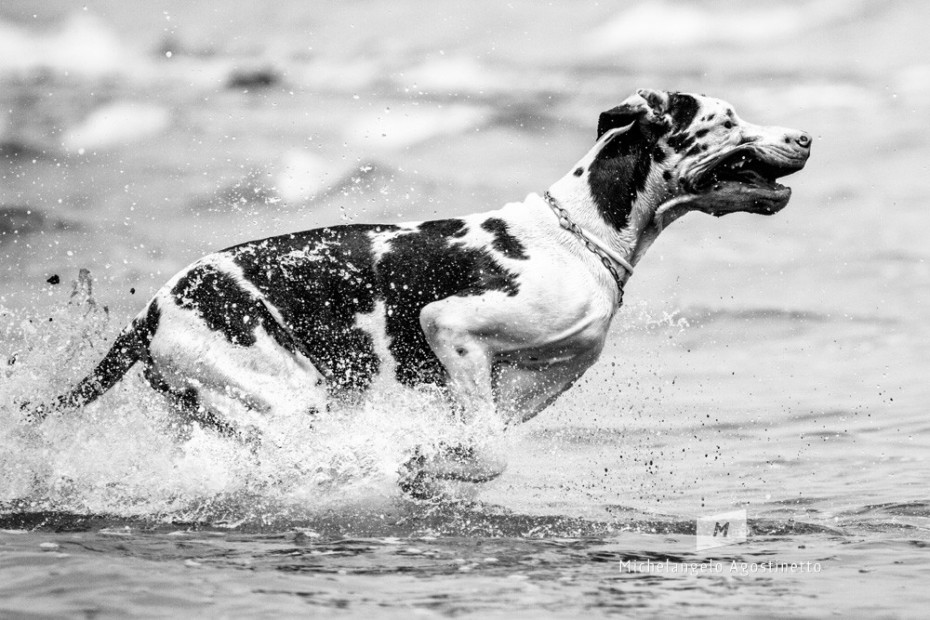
(728, 125)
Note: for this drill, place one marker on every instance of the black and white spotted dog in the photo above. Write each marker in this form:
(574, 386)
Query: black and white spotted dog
(503, 309)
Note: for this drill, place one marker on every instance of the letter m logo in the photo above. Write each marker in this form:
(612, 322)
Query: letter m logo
(723, 528)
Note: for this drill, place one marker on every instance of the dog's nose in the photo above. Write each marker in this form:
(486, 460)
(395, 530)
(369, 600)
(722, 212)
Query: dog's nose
(804, 140)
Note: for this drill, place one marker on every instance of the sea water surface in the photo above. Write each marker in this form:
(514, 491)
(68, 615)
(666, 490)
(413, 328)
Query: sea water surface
(773, 365)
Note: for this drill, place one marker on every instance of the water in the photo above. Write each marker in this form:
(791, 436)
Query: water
(776, 365)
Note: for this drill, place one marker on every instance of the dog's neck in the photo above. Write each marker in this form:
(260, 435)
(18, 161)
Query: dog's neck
(630, 242)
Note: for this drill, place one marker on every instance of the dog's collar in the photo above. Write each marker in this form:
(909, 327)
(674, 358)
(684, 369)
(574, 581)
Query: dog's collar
(609, 258)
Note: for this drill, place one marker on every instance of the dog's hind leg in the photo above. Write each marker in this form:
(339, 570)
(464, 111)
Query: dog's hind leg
(131, 345)
(226, 385)
(187, 405)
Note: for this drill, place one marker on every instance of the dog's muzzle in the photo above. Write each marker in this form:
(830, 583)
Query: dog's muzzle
(745, 177)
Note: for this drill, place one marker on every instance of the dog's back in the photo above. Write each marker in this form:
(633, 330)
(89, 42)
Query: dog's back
(312, 300)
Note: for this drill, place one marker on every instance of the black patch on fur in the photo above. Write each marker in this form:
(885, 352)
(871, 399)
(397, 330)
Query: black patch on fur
(446, 228)
(424, 266)
(667, 175)
(147, 326)
(219, 300)
(617, 117)
(504, 242)
(319, 280)
(618, 173)
(694, 150)
(682, 109)
(578, 172)
(700, 133)
(681, 141)
(228, 308)
(658, 154)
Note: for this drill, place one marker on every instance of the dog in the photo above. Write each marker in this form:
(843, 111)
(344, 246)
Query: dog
(503, 310)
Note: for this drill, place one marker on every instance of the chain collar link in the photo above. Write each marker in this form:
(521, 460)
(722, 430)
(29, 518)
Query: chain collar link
(594, 245)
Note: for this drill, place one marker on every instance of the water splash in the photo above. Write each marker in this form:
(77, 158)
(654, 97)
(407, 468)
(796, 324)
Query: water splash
(129, 455)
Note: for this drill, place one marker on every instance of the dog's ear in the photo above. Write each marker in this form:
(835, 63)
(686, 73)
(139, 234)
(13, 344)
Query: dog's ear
(645, 104)
(656, 99)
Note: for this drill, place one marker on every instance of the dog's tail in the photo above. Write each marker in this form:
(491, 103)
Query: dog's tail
(131, 345)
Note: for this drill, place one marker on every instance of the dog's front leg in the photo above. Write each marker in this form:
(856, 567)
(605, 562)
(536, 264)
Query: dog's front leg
(453, 328)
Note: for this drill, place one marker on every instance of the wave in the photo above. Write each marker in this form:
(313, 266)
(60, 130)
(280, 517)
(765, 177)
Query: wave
(25, 220)
(17, 149)
(81, 46)
(301, 177)
(447, 75)
(916, 508)
(402, 519)
(701, 315)
(116, 124)
(86, 47)
(394, 129)
(673, 25)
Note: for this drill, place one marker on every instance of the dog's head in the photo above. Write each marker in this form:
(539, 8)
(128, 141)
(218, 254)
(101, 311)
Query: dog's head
(671, 153)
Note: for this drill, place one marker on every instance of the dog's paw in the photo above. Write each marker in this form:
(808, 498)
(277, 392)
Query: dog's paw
(425, 477)
(465, 464)
(251, 437)
(419, 485)
(413, 479)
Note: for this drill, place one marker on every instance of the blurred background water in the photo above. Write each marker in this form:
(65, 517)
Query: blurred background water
(772, 364)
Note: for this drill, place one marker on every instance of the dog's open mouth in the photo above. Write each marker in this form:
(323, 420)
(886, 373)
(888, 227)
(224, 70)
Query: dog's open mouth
(745, 179)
